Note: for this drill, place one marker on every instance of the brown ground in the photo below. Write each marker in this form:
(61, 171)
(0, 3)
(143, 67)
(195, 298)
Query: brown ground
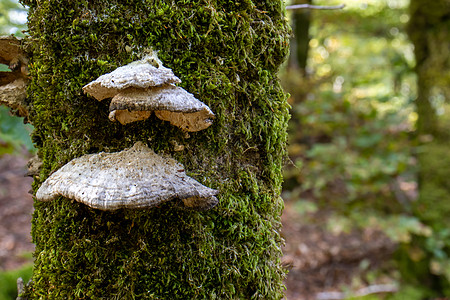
(16, 207)
(319, 261)
(323, 262)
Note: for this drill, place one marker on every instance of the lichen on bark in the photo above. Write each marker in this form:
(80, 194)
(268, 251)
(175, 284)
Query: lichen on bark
(227, 54)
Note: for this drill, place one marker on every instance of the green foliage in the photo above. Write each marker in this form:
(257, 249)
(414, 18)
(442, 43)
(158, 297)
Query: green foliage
(400, 228)
(14, 135)
(4, 68)
(410, 292)
(8, 281)
(354, 119)
(12, 17)
(368, 297)
(354, 123)
(351, 139)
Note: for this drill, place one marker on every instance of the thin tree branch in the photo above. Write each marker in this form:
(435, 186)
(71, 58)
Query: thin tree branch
(372, 289)
(377, 288)
(309, 6)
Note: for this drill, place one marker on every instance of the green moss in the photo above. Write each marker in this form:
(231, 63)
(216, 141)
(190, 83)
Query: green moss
(434, 195)
(227, 54)
(8, 281)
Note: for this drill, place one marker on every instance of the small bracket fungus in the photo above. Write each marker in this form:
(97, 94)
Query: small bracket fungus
(142, 74)
(170, 103)
(13, 84)
(146, 86)
(133, 178)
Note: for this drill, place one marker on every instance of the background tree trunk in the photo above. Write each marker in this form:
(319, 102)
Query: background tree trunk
(301, 21)
(227, 54)
(429, 31)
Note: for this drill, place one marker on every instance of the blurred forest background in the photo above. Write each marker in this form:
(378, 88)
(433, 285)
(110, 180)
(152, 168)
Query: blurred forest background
(367, 184)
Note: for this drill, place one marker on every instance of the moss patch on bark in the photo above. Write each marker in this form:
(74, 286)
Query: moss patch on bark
(227, 53)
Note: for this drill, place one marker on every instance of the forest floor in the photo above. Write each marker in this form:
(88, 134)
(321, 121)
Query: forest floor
(16, 207)
(321, 263)
(324, 265)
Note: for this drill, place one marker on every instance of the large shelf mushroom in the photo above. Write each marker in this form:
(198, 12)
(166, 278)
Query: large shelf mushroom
(146, 86)
(133, 178)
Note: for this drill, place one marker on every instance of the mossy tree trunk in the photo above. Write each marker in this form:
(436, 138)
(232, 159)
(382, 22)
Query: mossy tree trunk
(429, 30)
(227, 53)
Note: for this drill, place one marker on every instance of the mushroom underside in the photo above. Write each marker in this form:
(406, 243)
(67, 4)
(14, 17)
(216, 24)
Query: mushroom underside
(191, 122)
(134, 196)
(170, 103)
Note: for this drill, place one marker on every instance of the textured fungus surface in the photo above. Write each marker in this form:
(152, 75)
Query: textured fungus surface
(132, 178)
(170, 103)
(139, 74)
(227, 54)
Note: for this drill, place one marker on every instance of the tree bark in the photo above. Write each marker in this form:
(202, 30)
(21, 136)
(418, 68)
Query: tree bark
(227, 54)
(301, 20)
(430, 34)
(429, 31)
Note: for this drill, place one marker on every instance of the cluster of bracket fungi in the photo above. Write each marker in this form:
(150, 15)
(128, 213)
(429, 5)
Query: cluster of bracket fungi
(146, 86)
(136, 177)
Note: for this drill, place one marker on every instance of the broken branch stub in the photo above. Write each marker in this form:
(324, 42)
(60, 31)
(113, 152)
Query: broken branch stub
(14, 94)
(34, 166)
(145, 73)
(169, 102)
(133, 178)
(10, 50)
(13, 84)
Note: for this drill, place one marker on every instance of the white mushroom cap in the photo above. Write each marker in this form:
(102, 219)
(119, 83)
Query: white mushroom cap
(133, 178)
(169, 102)
(145, 73)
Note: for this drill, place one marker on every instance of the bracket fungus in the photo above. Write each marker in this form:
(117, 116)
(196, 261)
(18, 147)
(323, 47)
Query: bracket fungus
(146, 86)
(170, 103)
(146, 73)
(136, 177)
(13, 83)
